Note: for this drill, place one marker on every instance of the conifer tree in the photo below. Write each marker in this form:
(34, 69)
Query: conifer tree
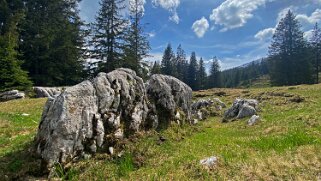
(52, 42)
(156, 69)
(107, 37)
(11, 74)
(201, 76)
(192, 72)
(168, 57)
(215, 74)
(290, 64)
(315, 42)
(182, 64)
(136, 41)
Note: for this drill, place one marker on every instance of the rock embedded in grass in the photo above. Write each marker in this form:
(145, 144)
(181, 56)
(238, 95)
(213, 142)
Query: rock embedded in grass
(202, 109)
(253, 120)
(11, 95)
(241, 108)
(93, 115)
(210, 162)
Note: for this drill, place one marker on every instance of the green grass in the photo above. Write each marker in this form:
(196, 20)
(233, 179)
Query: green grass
(285, 145)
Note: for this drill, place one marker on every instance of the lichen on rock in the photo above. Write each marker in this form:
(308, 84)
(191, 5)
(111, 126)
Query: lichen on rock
(96, 113)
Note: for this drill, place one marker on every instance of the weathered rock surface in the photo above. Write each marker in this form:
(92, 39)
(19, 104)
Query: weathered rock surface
(254, 119)
(210, 162)
(241, 108)
(49, 92)
(11, 95)
(167, 97)
(94, 114)
(202, 109)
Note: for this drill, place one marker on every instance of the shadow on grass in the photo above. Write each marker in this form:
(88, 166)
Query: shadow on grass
(21, 164)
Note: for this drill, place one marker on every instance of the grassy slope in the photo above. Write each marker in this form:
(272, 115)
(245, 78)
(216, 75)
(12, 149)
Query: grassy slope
(286, 144)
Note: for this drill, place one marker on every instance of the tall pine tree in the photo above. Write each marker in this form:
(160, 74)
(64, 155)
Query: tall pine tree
(315, 42)
(136, 41)
(167, 61)
(52, 42)
(215, 74)
(156, 69)
(192, 72)
(201, 76)
(11, 74)
(182, 64)
(290, 64)
(107, 37)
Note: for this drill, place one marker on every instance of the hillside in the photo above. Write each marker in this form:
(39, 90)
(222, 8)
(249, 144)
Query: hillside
(285, 145)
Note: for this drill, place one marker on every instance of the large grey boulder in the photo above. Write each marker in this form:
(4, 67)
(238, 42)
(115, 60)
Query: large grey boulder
(94, 114)
(167, 96)
(69, 125)
(241, 108)
(11, 95)
(79, 120)
(47, 91)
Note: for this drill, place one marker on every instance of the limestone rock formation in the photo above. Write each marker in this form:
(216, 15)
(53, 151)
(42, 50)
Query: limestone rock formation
(94, 114)
(47, 91)
(241, 108)
(11, 95)
(167, 96)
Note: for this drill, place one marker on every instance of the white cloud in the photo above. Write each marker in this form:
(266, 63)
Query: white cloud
(171, 6)
(200, 27)
(306, 20)
(154, 57)
(233, 14)
(175, 18)
(152, 34)
(265, 34)
(308, 34)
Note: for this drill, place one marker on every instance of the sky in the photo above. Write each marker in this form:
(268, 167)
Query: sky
(235, 31)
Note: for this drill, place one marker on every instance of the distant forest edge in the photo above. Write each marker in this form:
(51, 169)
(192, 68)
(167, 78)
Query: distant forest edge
(45, 43)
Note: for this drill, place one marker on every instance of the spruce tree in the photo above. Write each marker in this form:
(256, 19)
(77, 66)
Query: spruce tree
(156, 69)
(182, 64)
(11, 74)
(136, 41)
(167, 65)
(290, 64)
(192, 72)
(315, 42)
(107, 35)
(201, 76)
(52, 42)
(215, 74)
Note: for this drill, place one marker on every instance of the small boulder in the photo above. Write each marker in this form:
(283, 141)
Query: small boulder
(254, 119)
(210, 162)
(11, 95)
(246, 111)
(218, 101)
(241, 108)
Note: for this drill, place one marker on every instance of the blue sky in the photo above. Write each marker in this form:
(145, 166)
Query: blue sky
(236, 31)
